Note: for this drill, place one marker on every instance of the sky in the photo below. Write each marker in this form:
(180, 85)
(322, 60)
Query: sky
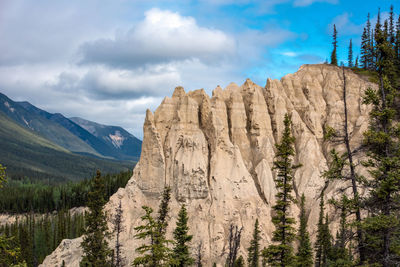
(110, 60)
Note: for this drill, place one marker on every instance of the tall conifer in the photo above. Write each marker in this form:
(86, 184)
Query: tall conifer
(350, 56)
(281, 253)
(382, 141)
(180, 254)
(334, 60)
(157, 253)
(94, 244)
(304, 256)
(254, 249)
(323, 242)
(118, 228)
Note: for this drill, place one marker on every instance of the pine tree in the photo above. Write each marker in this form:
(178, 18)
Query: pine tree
(391, 26)
(157, 253)
(356, 63)
(2, 175)
(118, 228)
(304, 256)
(364, 50)
(147, 231)
(397, 43)
(323, 242)
(239, 262)
(254, 249)
(342, 168)
(350, 57)
(180, 255)
(281, 254)
(327, 242)
(333, 54)
(370, 44)
(94, 244)
(382, 142)
(340, 255)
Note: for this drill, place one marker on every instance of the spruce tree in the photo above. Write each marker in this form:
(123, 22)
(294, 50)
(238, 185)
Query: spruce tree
(281, 253)
(397, 43)
(382, 142)
(94, 244)
(342, 168)
(157, 253)
(364, 50)
(254, 249)
(304, 256)
(391, 26)
(334, 60)
(340, 254)
(118, 228)
(239, 262)
(350, 56)
(147, 231)
(323, 241)
(180, 254)
(2, 175)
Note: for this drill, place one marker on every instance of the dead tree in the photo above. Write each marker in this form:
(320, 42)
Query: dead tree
(234, 244)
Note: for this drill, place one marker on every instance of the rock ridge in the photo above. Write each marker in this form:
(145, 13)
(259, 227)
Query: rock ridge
(217, 153)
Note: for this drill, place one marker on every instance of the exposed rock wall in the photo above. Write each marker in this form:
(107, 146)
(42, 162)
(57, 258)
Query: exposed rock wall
(217, 155)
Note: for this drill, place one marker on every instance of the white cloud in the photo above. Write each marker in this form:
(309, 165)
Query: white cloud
(302, 3)
(345, 26)
(129, 71)
(289, 54)
(163, 36)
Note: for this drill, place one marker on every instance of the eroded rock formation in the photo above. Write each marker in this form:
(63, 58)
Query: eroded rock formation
(217, 153)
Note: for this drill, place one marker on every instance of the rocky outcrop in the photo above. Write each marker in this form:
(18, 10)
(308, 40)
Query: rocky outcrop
(217, 152)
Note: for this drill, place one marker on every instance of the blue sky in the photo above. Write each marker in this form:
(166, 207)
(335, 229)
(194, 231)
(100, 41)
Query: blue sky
(108, 61)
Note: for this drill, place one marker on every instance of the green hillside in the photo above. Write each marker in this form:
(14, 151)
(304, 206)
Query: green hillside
(53, 131)
(24, 153)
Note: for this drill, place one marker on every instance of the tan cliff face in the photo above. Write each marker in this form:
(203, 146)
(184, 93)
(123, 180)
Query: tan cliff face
(217, 153)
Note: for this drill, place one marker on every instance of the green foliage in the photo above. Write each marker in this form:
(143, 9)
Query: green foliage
(146, 231)
(382, 143)
(281, 254)
(329, 133)
(323, 243)
(2, 175)
(239, 262)
(10, 253)
(26, 196)
(254, 249)
(118, 228)
(156, 253)
(180, 254)
(304, 255)
(94, 244)
(36, 236)
(334, 60)
(350, 55)
(339, 254)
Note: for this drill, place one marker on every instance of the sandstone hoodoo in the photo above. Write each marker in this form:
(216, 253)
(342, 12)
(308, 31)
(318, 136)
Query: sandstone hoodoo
(216, 153)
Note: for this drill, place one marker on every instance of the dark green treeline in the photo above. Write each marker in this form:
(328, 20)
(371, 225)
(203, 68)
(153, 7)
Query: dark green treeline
(26, 196)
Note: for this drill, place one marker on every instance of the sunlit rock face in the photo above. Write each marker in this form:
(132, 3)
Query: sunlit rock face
(216, 153)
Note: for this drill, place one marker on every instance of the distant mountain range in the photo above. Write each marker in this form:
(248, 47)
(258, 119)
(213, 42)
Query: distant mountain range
(28, 135)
